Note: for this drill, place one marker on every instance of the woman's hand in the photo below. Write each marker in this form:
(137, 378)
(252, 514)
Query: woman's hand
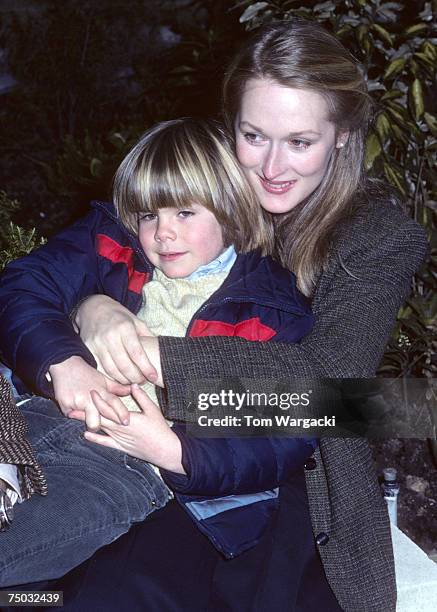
(113, 334)
(147, 437)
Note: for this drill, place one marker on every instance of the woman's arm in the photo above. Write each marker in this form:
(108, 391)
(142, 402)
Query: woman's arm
(355, 306)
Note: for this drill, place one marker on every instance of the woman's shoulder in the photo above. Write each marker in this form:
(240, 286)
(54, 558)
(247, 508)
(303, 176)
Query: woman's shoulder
(378, 217)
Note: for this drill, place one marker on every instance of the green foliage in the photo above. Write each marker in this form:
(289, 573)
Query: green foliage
(14, 240)
(88, 163)
(396, 46)
(88, 71)
(73, 61)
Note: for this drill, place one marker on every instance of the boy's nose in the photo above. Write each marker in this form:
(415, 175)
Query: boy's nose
(164, 232)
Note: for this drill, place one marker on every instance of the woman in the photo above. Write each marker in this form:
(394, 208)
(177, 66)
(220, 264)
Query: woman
(298, 105)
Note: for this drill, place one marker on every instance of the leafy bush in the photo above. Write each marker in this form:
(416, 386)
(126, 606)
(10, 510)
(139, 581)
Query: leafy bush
(14, 240)
(88, 71)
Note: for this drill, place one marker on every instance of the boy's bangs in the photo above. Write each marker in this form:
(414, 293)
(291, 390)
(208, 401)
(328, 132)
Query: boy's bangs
(172, 180)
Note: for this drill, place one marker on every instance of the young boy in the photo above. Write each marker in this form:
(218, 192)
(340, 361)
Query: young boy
(168, 253)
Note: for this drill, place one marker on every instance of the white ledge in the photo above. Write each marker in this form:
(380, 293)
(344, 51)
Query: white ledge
(416, 575)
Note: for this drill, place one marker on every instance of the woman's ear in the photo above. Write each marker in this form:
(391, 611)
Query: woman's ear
(342, 138)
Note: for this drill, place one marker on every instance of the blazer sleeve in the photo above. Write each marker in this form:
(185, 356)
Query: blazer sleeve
(37, 294)
(355, 307)
(233, 466)
(14, 447)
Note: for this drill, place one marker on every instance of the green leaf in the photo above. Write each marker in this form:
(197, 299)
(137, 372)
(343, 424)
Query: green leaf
(404, 311)
(96, 167)
(401, 117)
(398, 106)
(182, 70)
(383, 34)
(395, 67)
(394, 177)
(417, 305)
(414, 68)
(417, 97)
(117, 140)
(252, 11)
(342, 30)
(429, 49)
(415, 29)
(373, 150)
(399, 135)
(431, 122)
(426, 59)
(383, 126)
(362, 31)
(392, 94)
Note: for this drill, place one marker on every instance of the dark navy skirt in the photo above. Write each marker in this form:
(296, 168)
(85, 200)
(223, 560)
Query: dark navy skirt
(166, 564)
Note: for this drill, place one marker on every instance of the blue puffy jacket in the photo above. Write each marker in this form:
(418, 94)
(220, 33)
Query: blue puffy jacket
(258, 301)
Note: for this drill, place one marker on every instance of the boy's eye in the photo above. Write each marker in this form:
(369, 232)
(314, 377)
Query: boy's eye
(185, 213)
(147, 217)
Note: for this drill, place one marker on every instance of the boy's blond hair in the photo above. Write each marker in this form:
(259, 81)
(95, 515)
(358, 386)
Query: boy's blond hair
(185, 161)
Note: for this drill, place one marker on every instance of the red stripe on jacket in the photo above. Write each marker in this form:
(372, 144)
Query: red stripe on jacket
(108, 248)
(251, 329)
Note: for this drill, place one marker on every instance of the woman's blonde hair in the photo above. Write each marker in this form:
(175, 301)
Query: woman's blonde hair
(302, 55)
(185, 161)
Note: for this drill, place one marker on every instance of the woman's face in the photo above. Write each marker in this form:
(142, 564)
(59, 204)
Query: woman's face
(283, 142)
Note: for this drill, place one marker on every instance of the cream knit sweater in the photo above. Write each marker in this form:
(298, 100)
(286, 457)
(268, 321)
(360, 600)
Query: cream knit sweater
(168, 307)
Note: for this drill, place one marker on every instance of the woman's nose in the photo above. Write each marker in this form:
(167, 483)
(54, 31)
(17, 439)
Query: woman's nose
(164, 231)
(274, 163)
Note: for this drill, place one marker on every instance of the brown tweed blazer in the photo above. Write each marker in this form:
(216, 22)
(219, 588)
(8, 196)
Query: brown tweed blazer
(355, 304)
(14, 448)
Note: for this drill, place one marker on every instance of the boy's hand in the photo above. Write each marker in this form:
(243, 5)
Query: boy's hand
(74, 379)
(113, 335)
(148, 435)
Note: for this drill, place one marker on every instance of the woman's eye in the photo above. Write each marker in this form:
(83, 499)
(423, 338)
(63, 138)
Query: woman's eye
(185, 213)
(253, 138)
(298, 143)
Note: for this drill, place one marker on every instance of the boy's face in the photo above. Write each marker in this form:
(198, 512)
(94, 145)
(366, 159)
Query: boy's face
(178, 241)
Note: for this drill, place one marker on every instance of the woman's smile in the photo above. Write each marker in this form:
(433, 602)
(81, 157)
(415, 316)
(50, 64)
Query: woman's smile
(277, 187)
